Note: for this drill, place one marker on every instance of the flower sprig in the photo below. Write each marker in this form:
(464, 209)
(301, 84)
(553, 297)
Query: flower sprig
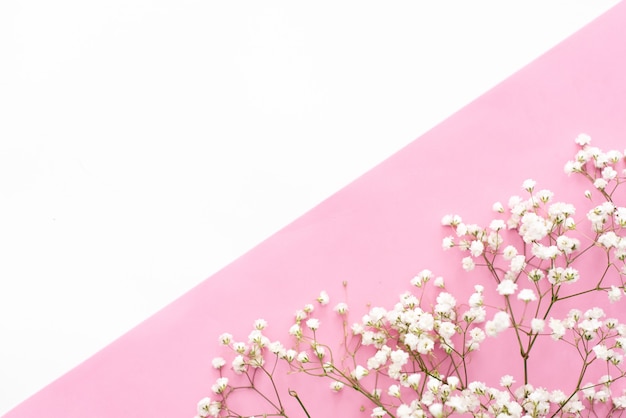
(415, 359)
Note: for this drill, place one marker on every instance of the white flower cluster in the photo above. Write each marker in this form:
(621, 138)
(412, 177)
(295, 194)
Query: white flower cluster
(412, 360)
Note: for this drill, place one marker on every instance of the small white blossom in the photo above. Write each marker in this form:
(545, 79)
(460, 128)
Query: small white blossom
(225, 338)
(506, 381)
(219, 386)
(527, 295)
(448, 242)
(341, 308)
(218, 362)
(509, 252)
(323, 298)
(582, 139)
(506, 287)
(537, 325)
(359, 372)
(468, 264)
(336, 386)
(394, 390)
(313, 323)
(615, 294)
(600, 183)
(477, 248)
(378, 412)
(529, 185)
(518, 263)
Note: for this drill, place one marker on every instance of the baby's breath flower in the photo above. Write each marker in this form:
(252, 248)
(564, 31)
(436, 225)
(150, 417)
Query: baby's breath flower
(240, 347)
(506, 287)
(509, 252)
(537, 325)
(497, 225)
(582, 139)
(477, 248)
(600, 183)
(497, 207)
(527, 295)
(615, 294)
(506, 381)
(451, 220)
(359, 372)
(296, 331)
(239, 364)
(545, 195)
(394, 390)
(529, 185)
(421, 278)
(323, 298)
(320, 351)
(439, 282)
(378, 412)
(313, 323)
(290, 355)
(225, 338)
(300, 315)
(518, 263)
(220, 385)
(468, 264)
(336, 386)
(341, 308)
(218, 362)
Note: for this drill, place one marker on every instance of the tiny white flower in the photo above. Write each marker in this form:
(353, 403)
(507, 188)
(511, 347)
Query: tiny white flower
(218, 362)
(506, 381)
(497, 225)
(608, 173)
(509, 252)
(615, 294)
(260, 324)
(476, 248)
(220, 385)
(468, 264)
(582, 139)
(378, 412)
(600, 183)
(439, 282)
(497, 207)
(506, 287)
(336, 386)
(313, 323)
(394, 390)
(537, 325)
(359, 372)
(225, 338)
(341, 308)
(323, 298)
(518, 263)
(527, 295)
(529, 185)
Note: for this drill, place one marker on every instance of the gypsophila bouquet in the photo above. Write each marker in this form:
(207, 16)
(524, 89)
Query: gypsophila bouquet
(552, 278)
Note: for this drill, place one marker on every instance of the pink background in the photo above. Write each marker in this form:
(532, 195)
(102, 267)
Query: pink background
(376, 233)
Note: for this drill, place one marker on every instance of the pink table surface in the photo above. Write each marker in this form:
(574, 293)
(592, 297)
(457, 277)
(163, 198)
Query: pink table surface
(376, 233)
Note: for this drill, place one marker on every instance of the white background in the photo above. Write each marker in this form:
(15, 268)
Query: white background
(146, 144)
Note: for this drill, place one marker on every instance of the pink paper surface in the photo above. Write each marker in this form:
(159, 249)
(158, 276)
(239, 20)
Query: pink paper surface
(376, 234)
